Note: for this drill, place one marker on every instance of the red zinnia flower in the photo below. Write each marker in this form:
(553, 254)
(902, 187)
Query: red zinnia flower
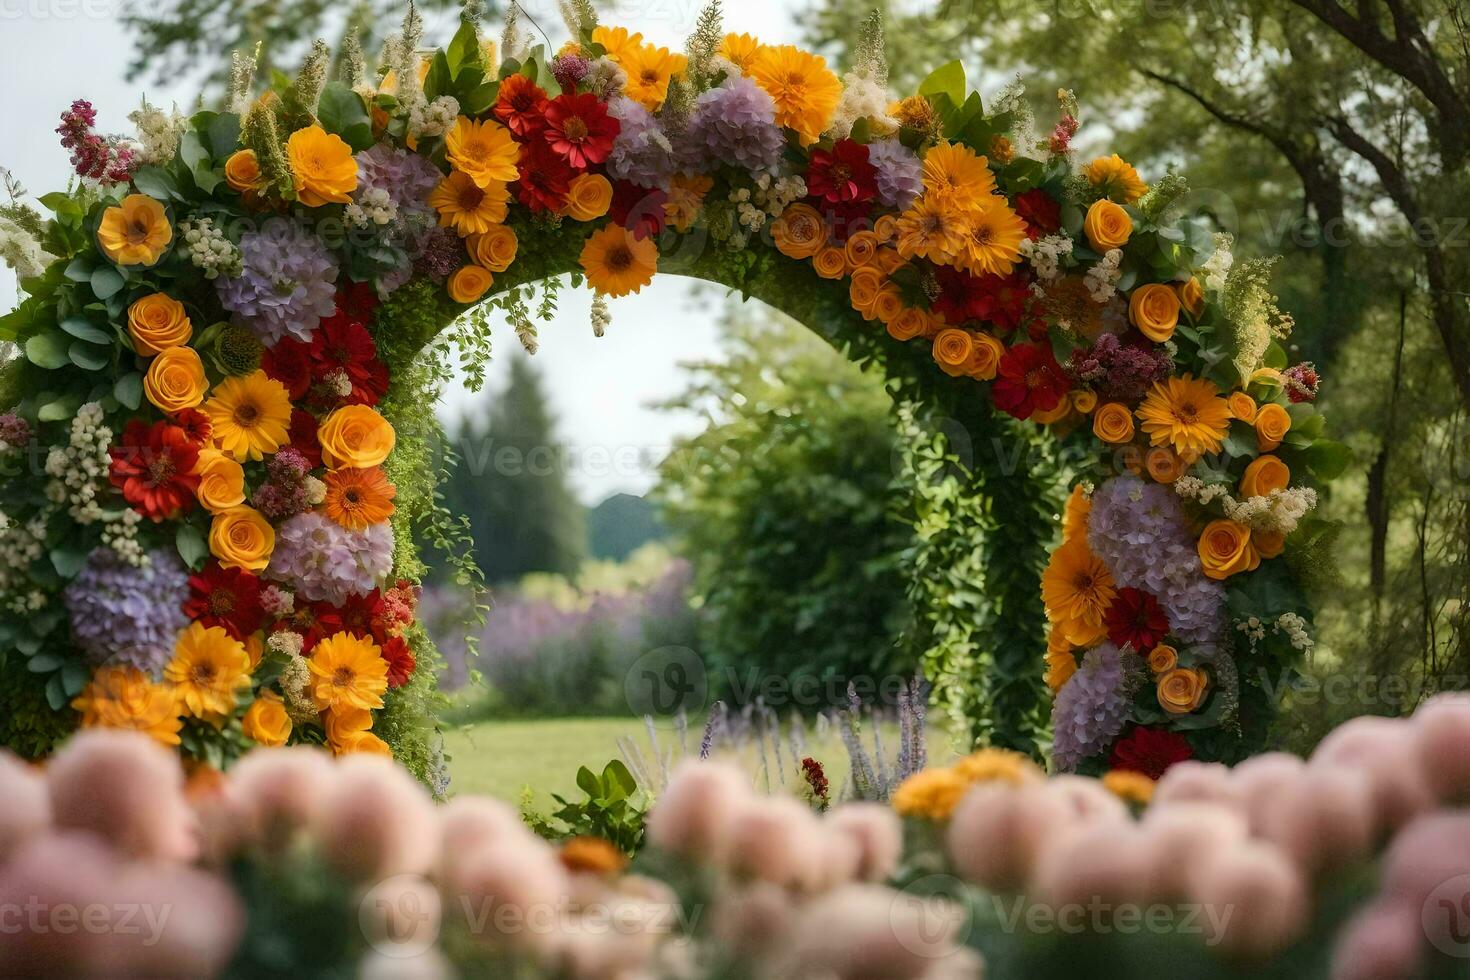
(1135, 619)
(521, 105)
(196, 425)
(999, 300)
(841, 175)
(1030, 380)
(343, 344)
(1150, 751)
(638, 209)
(1040, 211)
(544, 179)
(225, 597)
(154, 469)
(579, 129)
(401, 661)
(303, 436)
(289, 362)
(314, 621)
(359, 613)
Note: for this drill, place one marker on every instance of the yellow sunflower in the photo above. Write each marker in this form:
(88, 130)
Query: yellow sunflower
(616, 263)
(1186, 414)
(957, 175)
(993, 237)
(804, 88)
(930, 229)
(348, 672)
(740, 50)
(1077, 589)
(136, 232)
(1116, 178)
(208, 668)
(615, 40)
(250, 416)
(123, 697)
(467, 207)
(649, 70)
(484, 150)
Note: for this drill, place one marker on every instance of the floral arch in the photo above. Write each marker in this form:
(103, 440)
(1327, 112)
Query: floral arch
(218, 443)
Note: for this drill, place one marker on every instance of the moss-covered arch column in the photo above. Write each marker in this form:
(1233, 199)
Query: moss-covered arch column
(985, 488)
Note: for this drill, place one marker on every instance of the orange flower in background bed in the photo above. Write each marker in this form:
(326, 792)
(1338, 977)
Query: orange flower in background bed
(740, 50)
(1191, 296)
(1075, 513)
(650, 69)
(208, 668)
(322, 167)
(124, 697)
(1272, 424)
(1061, 662)
(932, 794)
(1242, 406)
(250, 417)
(467, 207)
(355, 436)
(804, 88)
(348, 672)
(616, 263)
(952, 349)
(136, 232)
(157, 322)
(1186, 414)
(1263, 475)
(348, 731)
(1077, 589)
(686, 198)
(1154, 310)
(1164, 465)
(358, 498)
(1129, 786)
(957, 177)
(830, 262)
(242, 171)
(991, 244)
(221, 481)
(1113, 423)
(1116, 178)
(484, 151)
(593, 855)
(1182, 690)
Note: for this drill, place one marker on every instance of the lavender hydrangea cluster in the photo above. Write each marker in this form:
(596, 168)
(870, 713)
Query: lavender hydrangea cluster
(123, 614)
(1140, 532)
(325, 562)
(640, 152)
(1120, 371)
(735, 123)
(407, 177)
(900, 175)
(286, 286)
(1091, 708)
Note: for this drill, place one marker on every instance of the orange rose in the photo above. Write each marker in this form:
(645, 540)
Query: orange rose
(952, 349)
(1268, 544)
(1154, 310)
(469, 283)
(1242, 406)
(175, 380)
(1264, 474)
(1163, 658)
(1164, 465)
(884, 227)
(266, 722)
(355, 436)
(984, 357)
(496, 249)
(830, 262)
(800, 233)
(221, 481)
(1225, 549)
(242, 171)
(1113, 423)
(889, 303)
(241, 537)
(1182, 690)
(1083, 399)
(1107, 226)
(889, 261)
(157, 322)
(909, 323)
(863, 290)
(861, 248)
(1272, 424)
(136, 232)
(588, 198)
(1191, 296)
(1046, 416)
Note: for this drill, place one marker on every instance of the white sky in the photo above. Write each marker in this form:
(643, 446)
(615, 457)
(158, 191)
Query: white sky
(54, 51)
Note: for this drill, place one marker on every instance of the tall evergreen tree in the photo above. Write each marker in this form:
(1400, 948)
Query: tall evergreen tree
(511, 483)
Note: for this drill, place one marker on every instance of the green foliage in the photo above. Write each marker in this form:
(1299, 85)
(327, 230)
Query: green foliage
(29, 725)
(622, 524)
(610, 810)
(784, 505)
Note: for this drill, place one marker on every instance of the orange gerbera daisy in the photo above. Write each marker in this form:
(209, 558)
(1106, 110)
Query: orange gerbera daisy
(993, 237)
(348, 672)
(649, 70)
(250, 416)
(616, 263)
(484, 150)
(740, 50)
(209, 667)
(930, 229)
(1077, 589)
(615, 40)
(1186, 414)
(804, 88)
(1116, 178)
(467, 207)
(358, 498)
(121, 696)
(136, 232)
(957, 175)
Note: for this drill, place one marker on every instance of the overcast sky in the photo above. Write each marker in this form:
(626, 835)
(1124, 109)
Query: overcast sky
(54, 51)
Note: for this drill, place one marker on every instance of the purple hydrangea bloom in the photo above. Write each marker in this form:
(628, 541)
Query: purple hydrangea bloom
(1091, 708)
(1140, 532)
(735, 123)
(441, 254)
(900, 176)
(641, 153)
(1120, 371)
(325, 562)
(407, 177)
(288, 283)
(122, 614)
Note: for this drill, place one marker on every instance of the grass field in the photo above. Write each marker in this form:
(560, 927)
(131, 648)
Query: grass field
(499, 758)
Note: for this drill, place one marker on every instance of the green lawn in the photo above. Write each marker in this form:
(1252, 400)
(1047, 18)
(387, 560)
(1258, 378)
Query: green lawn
(498, 758)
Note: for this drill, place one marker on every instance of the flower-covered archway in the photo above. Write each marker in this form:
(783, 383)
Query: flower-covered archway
(219, 439)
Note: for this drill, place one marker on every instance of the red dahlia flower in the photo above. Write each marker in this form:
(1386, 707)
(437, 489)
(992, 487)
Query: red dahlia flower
(314, 621)
(1135, 619)
(1040, 211)
(359, 613)
(303, 437)
(154, 469)
(999, 300)
(1150, 751)
(1030, 380)
(343, 344)
(638, 209)
(841, 175)
(401, 661)
(289, 362)
(225, 597)
(521, 105)
(545, 178)
(579, 129)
